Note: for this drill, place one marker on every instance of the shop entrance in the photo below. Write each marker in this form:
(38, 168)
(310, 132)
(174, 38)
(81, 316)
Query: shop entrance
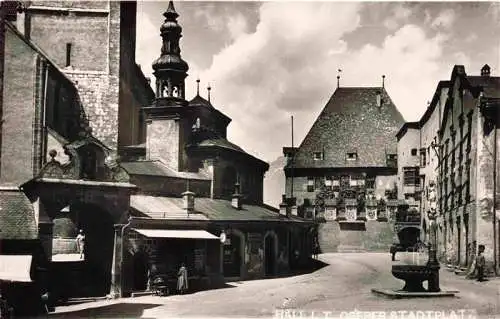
(270, 257)
(232, 256)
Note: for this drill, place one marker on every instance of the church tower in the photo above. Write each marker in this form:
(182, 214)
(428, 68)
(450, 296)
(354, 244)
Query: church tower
(168, 119)
(169, 69)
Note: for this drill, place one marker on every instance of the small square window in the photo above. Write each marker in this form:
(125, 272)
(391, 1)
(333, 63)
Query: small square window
(318, 156)
(413, 152)
(310, 184)
(352, 156)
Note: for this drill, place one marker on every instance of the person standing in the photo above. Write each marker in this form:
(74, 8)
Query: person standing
(182, 279)
(80, 242)
(480, 263)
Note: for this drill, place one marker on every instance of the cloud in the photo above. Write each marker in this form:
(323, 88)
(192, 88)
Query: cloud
(289, 66)
(445, 19)
(400, 14)
(284, 62)
(237, 25)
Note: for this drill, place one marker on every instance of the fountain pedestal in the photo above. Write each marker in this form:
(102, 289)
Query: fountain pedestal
(415, 275)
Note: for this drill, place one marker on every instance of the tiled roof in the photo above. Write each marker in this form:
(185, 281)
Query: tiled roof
(162, 207)
(352, 121)
(198, 100)
(157, 168)
(220, 142)
(490, 85)
(225, 144)
(17, 217)
(205, 209)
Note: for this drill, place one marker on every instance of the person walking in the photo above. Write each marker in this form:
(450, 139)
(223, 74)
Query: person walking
(80, 243)
(182, 279)
(480, 263)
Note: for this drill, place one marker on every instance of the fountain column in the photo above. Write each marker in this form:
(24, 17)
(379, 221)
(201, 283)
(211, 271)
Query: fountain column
(433, 262)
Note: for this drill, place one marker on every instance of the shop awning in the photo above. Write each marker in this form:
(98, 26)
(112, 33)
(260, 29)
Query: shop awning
(15, 268)
(171, 233)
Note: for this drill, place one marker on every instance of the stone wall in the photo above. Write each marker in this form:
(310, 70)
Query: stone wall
(20, 72)
(162, 142)
(376, 237)
(96, 49)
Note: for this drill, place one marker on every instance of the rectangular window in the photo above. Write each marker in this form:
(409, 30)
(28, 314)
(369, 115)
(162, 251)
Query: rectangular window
(392, 160)
(68, 54)
(318, 156)
(352, 156)
(328, 181)
(411, 176)
(336, 182)
(353, 182)
(319, 182)
(370, 182)
(310, 184)
(413, 152)
(423, 157)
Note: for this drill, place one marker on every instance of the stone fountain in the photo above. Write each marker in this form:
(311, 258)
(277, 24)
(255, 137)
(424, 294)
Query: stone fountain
(415, 275)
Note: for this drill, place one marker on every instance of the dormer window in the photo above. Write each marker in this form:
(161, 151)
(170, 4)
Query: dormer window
(392, 160)
(352, 156)
(318, 156)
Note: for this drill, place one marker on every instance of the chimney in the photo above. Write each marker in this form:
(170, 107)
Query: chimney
(188, 199)
(379, 99)
(283, 206)
(236, 199)
(293, 204)
(485, 70)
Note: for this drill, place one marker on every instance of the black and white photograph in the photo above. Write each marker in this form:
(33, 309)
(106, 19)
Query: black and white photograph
(250, 159)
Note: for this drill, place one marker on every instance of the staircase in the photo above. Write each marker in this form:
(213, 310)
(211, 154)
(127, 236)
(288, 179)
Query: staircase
(372, 236)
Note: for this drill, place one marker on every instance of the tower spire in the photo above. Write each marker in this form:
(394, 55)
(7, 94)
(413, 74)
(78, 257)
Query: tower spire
(170, 69)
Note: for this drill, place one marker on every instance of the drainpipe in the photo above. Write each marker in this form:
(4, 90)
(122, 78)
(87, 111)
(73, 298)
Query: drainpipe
(121, 254)
(495, 231)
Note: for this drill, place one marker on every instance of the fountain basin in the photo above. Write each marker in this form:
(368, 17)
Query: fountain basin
(413, 275)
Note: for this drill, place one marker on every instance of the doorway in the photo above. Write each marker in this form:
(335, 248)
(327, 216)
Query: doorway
(232, 256)
(270, 255)
(140, 272)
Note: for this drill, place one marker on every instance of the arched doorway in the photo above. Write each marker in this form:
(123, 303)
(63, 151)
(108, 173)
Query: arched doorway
(140, 272)
(94, 271)
(270, 253)
(409, 236)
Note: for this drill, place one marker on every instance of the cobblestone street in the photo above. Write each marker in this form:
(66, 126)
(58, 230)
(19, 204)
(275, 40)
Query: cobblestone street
(342, 286)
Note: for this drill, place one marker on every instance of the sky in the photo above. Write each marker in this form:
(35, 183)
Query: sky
(267, 61)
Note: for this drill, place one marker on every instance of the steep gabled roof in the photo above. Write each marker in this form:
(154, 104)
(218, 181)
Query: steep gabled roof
(352, 121)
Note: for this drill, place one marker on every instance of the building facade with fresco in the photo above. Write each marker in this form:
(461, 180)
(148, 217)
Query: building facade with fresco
(87, 145)
(458, 151)
(344, 171)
